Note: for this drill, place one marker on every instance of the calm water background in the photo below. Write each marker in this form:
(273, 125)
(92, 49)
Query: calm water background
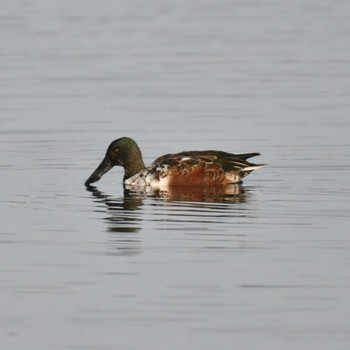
(265, 268)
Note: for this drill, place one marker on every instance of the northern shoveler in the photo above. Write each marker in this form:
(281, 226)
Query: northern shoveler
(195, 168)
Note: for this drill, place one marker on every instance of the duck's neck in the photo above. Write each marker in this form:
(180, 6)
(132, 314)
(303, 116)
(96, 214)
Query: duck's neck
(133, 164)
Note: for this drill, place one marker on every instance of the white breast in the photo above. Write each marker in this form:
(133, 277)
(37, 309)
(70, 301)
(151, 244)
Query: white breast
(145, 178)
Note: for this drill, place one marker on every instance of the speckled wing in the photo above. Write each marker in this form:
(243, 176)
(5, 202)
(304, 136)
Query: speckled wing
(200, 166)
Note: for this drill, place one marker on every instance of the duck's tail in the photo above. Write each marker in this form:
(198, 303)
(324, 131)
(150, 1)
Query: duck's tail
(250, 166)
(246, 156)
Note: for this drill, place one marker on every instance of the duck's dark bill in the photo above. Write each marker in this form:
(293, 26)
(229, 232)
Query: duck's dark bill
(105, 166)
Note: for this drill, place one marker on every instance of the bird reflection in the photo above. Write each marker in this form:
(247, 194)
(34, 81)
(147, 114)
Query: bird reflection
(125, 213)
(124, 220)
(218, 194)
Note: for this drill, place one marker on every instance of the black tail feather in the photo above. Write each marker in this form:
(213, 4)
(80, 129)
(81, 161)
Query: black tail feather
(245, 156)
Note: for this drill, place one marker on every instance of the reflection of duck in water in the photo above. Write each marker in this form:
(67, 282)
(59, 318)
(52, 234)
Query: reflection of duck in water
(233, 193)
(129, 202)
(193, 168)
(124, 215)
(123, 218)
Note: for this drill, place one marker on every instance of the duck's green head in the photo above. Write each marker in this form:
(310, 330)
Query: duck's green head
(123, 152)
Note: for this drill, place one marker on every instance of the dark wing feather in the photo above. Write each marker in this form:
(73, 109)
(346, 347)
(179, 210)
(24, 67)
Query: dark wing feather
(227, 161)
(245, 156)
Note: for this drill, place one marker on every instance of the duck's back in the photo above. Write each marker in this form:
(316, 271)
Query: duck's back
(202, 167)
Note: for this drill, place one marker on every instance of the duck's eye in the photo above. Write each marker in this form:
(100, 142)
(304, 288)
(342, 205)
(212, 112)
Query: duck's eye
(115, 150)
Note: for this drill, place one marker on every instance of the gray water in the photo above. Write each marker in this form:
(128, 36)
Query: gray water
(262, 265)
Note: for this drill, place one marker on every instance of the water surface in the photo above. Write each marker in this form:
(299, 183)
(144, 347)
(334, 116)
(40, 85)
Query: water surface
(264, 264)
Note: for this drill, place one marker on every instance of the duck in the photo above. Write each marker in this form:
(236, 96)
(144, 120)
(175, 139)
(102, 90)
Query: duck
(188, 168)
